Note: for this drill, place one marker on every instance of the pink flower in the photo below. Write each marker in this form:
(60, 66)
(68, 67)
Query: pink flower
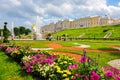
(109, 73)
(94, 76)
(83, 59)
(117, 78)
(28, 70)
(49, 61)
(74, 66)
(38, 50)
(76, 74)
(52, 56)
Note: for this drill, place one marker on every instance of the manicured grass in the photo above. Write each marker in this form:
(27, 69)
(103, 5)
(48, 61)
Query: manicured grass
(10, 70)
(91, 32)
(94, 44)
(31, 43)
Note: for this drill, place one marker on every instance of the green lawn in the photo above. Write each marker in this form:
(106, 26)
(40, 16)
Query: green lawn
(10, 70)
(94, 44)
(31, 43)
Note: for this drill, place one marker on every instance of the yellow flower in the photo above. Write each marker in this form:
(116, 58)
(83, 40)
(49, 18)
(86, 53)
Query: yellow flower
(64, 75)
(70, 58)
(44, 74)
(57, 67)
(67, 72)
(61, 63)
(72, 77)
(59, 71)
(66, 79)
(65, 62)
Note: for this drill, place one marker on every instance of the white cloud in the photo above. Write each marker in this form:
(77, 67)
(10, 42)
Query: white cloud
(114, 11)
(16, 2)
(119, 4)
(25, 11)
(28, 23)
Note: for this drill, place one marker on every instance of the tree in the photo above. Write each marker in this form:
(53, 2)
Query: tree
(64, 37)
(16, 31)
(22, 30)
(6, 33)
(27, 31)
(48, 37)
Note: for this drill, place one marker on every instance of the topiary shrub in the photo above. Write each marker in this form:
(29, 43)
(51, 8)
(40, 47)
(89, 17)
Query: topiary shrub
(6, 33)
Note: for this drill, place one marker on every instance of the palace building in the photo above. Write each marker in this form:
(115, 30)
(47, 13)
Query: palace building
(85, 22)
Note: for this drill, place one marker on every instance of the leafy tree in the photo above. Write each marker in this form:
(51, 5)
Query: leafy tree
(16, 31)
(22, 30)
(49, 37)
(64, 37)
(27, 31)
(6, 33)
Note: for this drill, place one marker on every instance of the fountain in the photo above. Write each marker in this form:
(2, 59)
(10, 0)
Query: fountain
(12, 31)
(36, 32)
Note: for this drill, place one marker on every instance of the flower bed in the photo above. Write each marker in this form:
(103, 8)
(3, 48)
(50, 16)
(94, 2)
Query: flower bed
(46, 66)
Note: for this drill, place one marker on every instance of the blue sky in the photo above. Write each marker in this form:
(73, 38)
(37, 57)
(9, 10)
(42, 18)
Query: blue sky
(113, 2)
(24, 12)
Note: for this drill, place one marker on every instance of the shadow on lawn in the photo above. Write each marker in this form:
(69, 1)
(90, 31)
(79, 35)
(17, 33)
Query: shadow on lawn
(9, 59)
(22, 73)
(116, 53)
(108, 48)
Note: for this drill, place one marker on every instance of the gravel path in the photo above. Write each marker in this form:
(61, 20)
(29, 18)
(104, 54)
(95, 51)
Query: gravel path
(115, 63)
(57, 46)
(41, 49)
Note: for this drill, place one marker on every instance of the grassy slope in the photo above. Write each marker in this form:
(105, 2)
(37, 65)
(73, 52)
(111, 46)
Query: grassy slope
(90, 32)
(10, 70)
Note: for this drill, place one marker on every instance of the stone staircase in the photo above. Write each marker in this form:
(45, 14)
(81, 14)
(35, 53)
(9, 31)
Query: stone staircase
(81, 35)
(108, 35)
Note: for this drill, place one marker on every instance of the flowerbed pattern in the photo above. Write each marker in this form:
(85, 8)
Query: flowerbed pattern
(46, 66)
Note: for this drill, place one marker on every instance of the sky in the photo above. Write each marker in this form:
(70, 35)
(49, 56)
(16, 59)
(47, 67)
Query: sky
(24, 12)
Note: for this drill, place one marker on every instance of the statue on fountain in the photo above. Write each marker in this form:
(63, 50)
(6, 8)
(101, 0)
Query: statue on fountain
(36, 32)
